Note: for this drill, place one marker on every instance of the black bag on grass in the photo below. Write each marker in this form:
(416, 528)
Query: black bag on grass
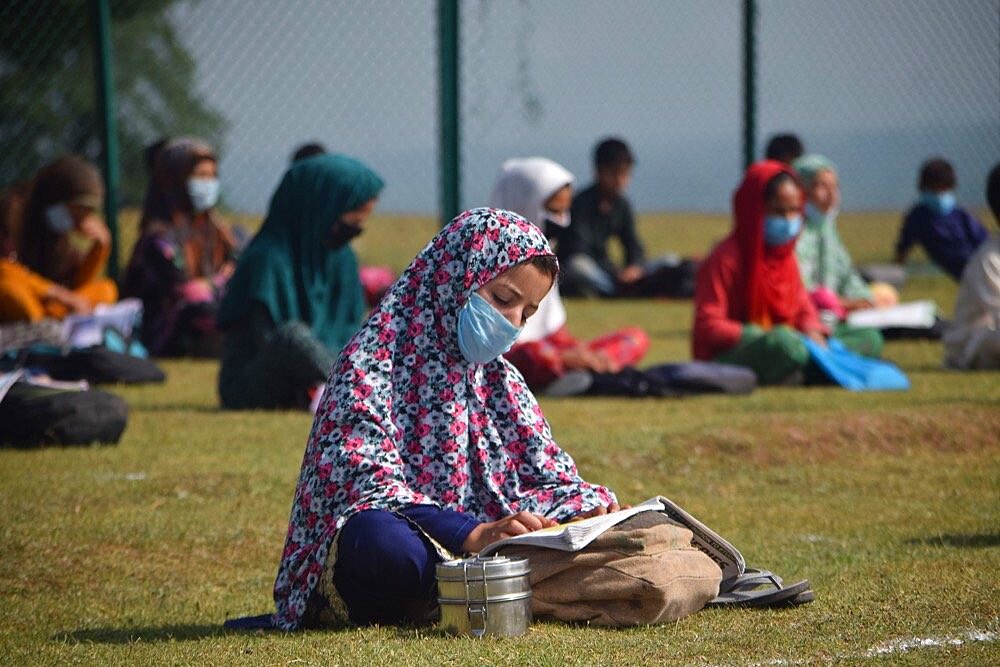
(704, 377)
(32, 416)
(675, 380)
(97, 365)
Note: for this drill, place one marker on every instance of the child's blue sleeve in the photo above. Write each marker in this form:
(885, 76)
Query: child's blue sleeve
(448, 527)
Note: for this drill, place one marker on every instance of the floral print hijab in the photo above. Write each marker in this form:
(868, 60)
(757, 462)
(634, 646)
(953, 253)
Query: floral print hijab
(407, 420)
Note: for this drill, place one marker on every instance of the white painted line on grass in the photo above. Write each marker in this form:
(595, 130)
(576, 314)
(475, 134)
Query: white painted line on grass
(892, 647)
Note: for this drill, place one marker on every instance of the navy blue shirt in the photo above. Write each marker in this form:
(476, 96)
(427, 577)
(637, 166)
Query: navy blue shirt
(949, 240)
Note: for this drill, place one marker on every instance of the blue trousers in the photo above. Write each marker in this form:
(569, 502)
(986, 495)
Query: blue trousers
(384, 571)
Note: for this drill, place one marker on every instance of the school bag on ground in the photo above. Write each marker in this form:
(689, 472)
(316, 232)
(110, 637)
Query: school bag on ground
(652, 563)
(33, 414)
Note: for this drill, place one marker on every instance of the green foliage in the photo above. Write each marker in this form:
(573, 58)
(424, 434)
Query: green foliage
(47, 89)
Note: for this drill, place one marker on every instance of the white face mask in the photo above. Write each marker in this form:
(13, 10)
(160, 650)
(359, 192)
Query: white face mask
(813, 214)
(558, 219)
(204, 193)
(58, 219)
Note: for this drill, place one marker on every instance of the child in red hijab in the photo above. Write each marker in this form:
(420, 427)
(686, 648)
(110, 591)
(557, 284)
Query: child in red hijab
(750, 303)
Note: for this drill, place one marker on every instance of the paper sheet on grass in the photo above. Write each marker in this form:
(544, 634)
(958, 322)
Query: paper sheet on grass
(575, 535)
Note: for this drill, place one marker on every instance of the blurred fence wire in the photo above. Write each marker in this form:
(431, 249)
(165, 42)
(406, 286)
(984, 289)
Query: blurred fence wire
(878, 87)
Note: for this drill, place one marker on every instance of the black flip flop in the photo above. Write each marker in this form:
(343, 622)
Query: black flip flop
(775, 596)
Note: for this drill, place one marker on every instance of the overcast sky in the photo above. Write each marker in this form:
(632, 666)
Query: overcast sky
(877, 86)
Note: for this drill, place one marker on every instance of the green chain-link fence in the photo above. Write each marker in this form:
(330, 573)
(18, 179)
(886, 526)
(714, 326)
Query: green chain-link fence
(878, 87)
(881, 86)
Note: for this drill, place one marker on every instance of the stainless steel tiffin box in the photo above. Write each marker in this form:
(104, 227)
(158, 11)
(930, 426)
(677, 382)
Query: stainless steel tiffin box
(485, 596)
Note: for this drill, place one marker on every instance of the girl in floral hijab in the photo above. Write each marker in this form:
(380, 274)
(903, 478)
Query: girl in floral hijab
(428, 444)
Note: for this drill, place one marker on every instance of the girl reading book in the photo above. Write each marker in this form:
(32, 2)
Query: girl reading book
(428, 444)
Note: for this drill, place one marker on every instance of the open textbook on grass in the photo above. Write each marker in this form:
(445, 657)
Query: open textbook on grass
(575, 535)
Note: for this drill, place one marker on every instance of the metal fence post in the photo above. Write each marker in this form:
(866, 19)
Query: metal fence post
(105, 103)
(749, 81)
(448, 76)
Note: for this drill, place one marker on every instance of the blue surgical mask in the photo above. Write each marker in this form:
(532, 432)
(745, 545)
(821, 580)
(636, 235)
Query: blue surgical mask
(483, 333)
(58, 219)
(779, 230)
(204, 193)
(942, 203)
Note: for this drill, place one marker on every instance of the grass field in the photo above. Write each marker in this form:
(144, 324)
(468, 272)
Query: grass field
(888, 503)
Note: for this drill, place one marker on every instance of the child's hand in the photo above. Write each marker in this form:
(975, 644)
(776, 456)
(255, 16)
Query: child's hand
(516, 524)
(600, 511)
(94, 229)
(631, 273)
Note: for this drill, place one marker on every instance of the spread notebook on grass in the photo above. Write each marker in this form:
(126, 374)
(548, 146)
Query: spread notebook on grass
(575, 535)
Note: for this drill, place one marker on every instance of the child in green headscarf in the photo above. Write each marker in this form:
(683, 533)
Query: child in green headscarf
(823, 259)
(295, 298)
(827, 271)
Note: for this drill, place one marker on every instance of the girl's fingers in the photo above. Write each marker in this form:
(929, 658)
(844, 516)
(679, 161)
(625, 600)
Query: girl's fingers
(514, 527)
(529, 520)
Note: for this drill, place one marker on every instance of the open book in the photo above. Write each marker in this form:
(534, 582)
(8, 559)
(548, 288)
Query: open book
(575, 535)
(912, 315)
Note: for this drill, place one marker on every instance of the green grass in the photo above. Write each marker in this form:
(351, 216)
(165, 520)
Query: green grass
(888, 503)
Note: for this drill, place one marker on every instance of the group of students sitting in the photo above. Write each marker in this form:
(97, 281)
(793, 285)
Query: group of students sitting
(282, 306)
(428, 443)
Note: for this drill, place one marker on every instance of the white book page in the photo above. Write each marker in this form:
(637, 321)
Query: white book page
(574, 535)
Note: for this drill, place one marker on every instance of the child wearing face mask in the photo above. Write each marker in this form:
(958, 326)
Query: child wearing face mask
(184, 254)
(826, 266)
(428, 444)
(541, 191)
(750, 302)
(295, 297)
(45, 272)
(947, 232)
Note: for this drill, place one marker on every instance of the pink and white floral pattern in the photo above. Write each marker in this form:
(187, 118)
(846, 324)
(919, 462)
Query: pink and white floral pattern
(406, 420)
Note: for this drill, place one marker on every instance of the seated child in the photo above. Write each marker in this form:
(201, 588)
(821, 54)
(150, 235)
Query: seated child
(184, 254)
(540, 190)
(973, 340)
(425, 434)
(601, 212)
(824, 262)
(947, 232)
(295, 298)
(57, 246)
(750, 303)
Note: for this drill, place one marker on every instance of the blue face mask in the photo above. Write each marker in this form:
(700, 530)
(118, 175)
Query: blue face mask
(483, 333)
(58, 218)
(779, 230)
(942, 203)
(204, 193)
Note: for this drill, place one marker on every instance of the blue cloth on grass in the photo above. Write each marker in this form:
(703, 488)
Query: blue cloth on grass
(853, 371)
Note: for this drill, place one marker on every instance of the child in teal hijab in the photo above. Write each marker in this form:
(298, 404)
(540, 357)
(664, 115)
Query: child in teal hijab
(296, 298)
